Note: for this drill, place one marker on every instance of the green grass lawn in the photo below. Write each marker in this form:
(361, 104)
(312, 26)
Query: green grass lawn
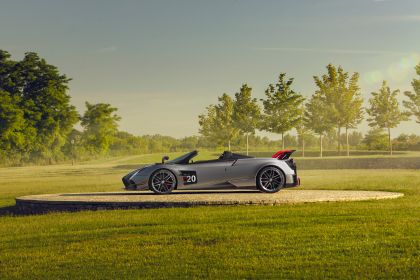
(370, 239)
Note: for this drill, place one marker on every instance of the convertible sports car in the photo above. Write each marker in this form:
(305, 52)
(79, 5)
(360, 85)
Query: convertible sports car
(229, 170)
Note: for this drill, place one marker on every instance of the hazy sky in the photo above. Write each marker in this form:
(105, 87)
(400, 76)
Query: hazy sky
(162, 62)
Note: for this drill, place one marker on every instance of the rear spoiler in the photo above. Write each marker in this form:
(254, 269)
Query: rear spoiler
(283, 154)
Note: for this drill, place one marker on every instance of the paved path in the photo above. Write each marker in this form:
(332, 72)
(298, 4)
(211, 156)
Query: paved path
(146, 199)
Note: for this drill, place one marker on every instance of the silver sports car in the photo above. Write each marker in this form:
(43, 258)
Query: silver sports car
(229, 170)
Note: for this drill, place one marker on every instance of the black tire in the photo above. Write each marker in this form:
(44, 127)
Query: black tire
(270, 179)
(162, 181)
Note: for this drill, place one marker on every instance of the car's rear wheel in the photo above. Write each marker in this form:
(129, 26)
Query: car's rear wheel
(162, 181)
(270, 179)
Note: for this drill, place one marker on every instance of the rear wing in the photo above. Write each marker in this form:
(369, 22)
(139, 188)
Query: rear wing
(283, 154)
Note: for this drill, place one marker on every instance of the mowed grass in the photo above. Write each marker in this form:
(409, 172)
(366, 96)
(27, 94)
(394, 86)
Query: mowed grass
(370, 239)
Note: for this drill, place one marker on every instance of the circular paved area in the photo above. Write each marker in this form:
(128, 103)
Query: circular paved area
(146, 199)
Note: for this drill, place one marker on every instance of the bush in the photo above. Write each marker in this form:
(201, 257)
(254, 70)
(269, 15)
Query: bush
(406, 142)
(376, 139)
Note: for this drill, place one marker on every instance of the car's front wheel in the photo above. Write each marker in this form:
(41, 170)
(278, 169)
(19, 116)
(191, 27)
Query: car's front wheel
(270, 179)
(162, 181)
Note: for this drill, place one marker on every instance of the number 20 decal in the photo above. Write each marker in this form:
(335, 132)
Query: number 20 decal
(189, 177)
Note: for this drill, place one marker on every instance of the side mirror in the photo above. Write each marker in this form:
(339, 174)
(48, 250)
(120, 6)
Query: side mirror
(164, 158)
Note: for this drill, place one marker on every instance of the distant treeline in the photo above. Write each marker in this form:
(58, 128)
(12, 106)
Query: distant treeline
(125, 143)
(335, 106)
(37, 120)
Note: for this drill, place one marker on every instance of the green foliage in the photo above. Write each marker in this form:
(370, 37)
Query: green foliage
(37, 90)
(12, 124)
(224, 114)
(75, 148)
(385, 111)
(218, 124)
(303, 130)
(282, 107)
(316, 117)
(310, 140)
(413, 105)
(355, 138)
(124, 143)
(405, 142)
(376, 139)
(100, 126)
(190, 143)
(336, 91)
(8, 74)
(207, 123)
(290, 140)
(341, 96)
(161, 143)
(246, 112)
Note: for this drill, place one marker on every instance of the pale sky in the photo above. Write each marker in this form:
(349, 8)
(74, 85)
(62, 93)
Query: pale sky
(162, 62)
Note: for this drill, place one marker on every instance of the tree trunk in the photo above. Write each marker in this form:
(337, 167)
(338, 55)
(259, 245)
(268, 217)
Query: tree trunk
(72, 154)
(303, 147)
(247, 136)
(320, 145)
(347, 142)
(282, 141)
(339, 140)
(389, 141)
(229, 145)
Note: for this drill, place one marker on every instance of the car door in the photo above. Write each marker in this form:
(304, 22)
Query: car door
(242, 171)
(210, 172)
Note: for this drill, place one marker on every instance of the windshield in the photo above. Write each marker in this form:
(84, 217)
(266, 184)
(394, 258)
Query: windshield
(184, 159)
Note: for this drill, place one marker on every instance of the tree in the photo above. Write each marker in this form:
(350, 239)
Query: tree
(303, 131)
(353, 111)
(7, 72)
(414, 104)
(342, 95)
(217, 124)
(41, 93)
(282, 107)
(316, 118)
(384, 110)
(224, 116)
(246, 112)
(207, 122)
(100, 125)
(12, 125)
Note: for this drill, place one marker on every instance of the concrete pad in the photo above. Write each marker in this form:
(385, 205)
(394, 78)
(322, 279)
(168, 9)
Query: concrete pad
(147, 199)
